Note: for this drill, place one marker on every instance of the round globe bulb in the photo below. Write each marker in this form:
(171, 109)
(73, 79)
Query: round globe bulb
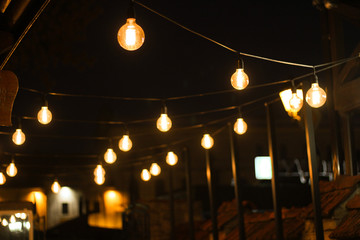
(155, 169)
(11, 170)
(2, 178)
(131, 36)
(171, 158)
(55, 187)
(207, 141)
(99, 175)
(164, 123)
(44, 115)
(145, 175)
(240, 126)
(315, 96)
(239, 80)
(125, 144)
(18, 137)
(110, 156)
(295, 102)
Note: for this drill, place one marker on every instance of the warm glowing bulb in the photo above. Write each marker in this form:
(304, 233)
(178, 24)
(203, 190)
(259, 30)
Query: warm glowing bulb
(44, 115)
(315, 96)
(4, 222)
(155, 169)
(145, 175)
(240, 126)
(207, 141)
(295, 102)
(110, 156)
(12, 219)
(2, 178)
(11, 170)
(131, 36)
(171, 158)
(163, 123)
(18, 137)
(55, 187)
(125, 144)
(99, 174)
(239, 80)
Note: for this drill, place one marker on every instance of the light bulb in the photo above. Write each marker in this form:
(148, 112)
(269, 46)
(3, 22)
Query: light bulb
(4, 222)
(12, 219)
(239, 80)
(44, 115)
(131, 36)
(18, 137)
(145, 175)
(171, 158)
(125, 143)
(315, 96)
(110, 156)
(240, 126)
(2, 178)
(55, 187)
(295, 102)
(99, 175)
(155, 169)
(11, 170)
(163, 123)
(207, 141)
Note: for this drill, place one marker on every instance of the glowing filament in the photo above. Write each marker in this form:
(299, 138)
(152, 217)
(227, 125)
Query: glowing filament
(18, 137)
(315, 96)
(131, 36)
(239, 80)
(44, 115)
(110, 156)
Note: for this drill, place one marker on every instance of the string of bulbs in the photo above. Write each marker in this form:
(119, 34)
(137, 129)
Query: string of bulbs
(131, 37)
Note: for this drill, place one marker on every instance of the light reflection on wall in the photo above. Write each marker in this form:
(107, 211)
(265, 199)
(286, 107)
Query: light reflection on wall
(38, 198)
(110, 216)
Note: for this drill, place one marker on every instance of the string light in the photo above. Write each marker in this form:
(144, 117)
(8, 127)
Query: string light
(2, 178)
(155, 169)
(18, 137)
(12, 219)
(240, 80)
(55, 187)
(110, 156)
(125, 143)
(292, 100)
(131, 36)
(315, 96)
(207, 141)
(11, 170)
(44, 116)
(4, 222)
(145, 175)
(240, 126)
(99, 175)
(171, 158)
(164, 122)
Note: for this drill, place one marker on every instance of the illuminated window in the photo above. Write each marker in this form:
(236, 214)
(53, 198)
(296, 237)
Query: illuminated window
(263, 168)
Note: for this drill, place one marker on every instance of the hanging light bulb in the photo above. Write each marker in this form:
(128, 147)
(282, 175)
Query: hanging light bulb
(155, 169)
(110, 156)
(240, 126)
(164, 122)
(171, 158)
(125, 144)
(12, 219)
(145, 175)
(11, 170)
(18, 137)
(55, 187)
(4, 222)
(131, 36)
(239, 80)
(2, 178)
(44, 116)
(99, 174)
(315, 96)
(207, 141)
